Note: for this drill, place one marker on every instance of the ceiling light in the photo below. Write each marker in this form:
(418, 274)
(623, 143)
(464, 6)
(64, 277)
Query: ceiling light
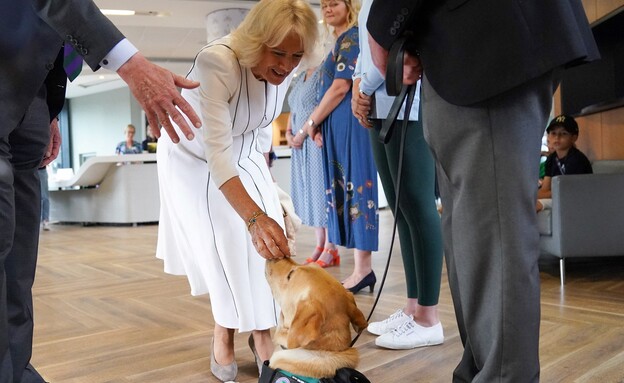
(118, 12)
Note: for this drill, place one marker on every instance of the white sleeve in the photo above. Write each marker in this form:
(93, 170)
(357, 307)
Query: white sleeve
(265, 138)
(219, 79)
(371, 80)
(357, 73)
(118, 55)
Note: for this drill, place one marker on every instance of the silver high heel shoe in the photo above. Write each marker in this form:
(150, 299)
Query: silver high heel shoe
(252, 346)
(223, 373)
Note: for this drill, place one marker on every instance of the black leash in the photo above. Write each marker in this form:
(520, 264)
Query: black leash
(394, 87)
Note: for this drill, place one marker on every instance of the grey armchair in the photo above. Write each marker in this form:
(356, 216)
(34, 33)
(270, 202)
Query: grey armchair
(587, 216)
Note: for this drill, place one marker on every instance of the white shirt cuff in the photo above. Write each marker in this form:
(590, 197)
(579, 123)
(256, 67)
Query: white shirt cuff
(371, 80)
(118, 55)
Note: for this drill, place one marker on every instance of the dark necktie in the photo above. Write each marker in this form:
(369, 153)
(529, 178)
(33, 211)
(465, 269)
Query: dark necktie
(72, 62)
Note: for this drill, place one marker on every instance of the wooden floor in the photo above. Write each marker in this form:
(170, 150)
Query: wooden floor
(106, 312)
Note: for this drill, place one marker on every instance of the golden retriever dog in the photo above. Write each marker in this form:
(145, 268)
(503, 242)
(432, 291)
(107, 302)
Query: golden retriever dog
(313, 335)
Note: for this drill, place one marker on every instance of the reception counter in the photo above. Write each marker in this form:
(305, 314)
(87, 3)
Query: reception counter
(108, 189)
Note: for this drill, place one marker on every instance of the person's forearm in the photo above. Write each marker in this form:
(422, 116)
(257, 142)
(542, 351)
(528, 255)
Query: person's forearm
(237, 196)
(371, 80)
(331, 99)
(267, 235)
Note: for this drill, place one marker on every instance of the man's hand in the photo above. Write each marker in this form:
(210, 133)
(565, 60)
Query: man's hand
(412, 68)
(155, 89)
(361, 105)
(53, 147)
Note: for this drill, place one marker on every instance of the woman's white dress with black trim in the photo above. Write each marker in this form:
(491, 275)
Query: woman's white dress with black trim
(200, 235)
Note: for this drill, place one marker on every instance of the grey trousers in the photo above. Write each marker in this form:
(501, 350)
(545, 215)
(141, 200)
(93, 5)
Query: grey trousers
(21, 150)
(487, 159)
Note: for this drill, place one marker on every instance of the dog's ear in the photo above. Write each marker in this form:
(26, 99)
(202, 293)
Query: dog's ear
(306, 325)
(358, 321)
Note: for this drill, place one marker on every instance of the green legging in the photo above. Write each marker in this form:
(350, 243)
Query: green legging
(418, 221)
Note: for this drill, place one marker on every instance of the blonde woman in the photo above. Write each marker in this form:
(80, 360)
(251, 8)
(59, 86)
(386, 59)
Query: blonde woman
(129, 145)
(220, 213)
(350, 173)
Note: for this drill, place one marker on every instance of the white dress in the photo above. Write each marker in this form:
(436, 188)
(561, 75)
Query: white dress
(200, 235)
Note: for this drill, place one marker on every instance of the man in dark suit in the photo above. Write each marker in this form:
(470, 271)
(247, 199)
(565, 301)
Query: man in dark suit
(32, 89)
(490, 68)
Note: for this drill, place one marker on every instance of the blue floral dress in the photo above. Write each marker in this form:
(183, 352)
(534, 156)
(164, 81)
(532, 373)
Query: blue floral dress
(350, 172)
(307, 187)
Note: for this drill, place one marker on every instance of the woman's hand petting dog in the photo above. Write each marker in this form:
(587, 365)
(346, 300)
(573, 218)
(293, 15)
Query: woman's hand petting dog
(268, 238)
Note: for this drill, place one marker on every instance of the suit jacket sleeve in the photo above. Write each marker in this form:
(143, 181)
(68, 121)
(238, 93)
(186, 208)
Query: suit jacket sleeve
(391, 19)
(80, 23)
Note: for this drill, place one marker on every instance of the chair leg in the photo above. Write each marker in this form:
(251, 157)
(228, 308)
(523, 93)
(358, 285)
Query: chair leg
(562, 271)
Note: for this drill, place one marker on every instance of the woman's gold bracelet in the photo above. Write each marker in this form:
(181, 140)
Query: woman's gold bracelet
(254, 218)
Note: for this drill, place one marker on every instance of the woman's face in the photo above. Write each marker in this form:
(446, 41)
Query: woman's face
(129, 134)
(278, 62)
(334, 12)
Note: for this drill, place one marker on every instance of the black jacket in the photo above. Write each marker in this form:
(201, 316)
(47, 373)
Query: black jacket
(475, 49)
(32, 33)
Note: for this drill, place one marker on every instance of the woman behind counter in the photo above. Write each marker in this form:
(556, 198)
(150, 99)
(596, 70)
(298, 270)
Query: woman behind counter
(129, 145)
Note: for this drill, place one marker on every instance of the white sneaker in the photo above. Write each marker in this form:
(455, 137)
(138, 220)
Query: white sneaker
(411, 335)
(46, 225)
(393, 321)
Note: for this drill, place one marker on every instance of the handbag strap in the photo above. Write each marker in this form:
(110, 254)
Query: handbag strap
(394, 87)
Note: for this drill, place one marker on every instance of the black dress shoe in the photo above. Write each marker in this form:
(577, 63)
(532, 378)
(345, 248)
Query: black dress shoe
(368, 281)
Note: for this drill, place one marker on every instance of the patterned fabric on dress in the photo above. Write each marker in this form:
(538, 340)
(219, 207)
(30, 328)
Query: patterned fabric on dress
(123, 149)
(350, 172)
(307, 187)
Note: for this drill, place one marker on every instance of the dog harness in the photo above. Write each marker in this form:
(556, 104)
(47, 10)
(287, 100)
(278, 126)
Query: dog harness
(343, 375)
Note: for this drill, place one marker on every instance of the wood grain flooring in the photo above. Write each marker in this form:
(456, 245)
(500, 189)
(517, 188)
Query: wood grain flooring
(106, 312)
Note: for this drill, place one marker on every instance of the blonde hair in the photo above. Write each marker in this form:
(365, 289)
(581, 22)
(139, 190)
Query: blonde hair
(130, 126)
(314, 58)
(353, 9)
(268, 23)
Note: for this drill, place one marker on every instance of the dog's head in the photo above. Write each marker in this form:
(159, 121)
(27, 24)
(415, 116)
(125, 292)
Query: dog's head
(316, 308)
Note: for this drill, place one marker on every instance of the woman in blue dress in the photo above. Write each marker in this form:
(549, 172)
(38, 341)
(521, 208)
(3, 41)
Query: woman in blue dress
(307, 187)
(350, 173)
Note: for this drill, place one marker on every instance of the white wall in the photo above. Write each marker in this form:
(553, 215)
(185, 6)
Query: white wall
(97, 122)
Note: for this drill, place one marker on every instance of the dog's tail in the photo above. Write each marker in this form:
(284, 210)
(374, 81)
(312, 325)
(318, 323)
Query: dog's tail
(314, 363)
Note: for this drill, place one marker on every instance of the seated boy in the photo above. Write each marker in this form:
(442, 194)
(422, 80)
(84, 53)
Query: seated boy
(566, 159)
